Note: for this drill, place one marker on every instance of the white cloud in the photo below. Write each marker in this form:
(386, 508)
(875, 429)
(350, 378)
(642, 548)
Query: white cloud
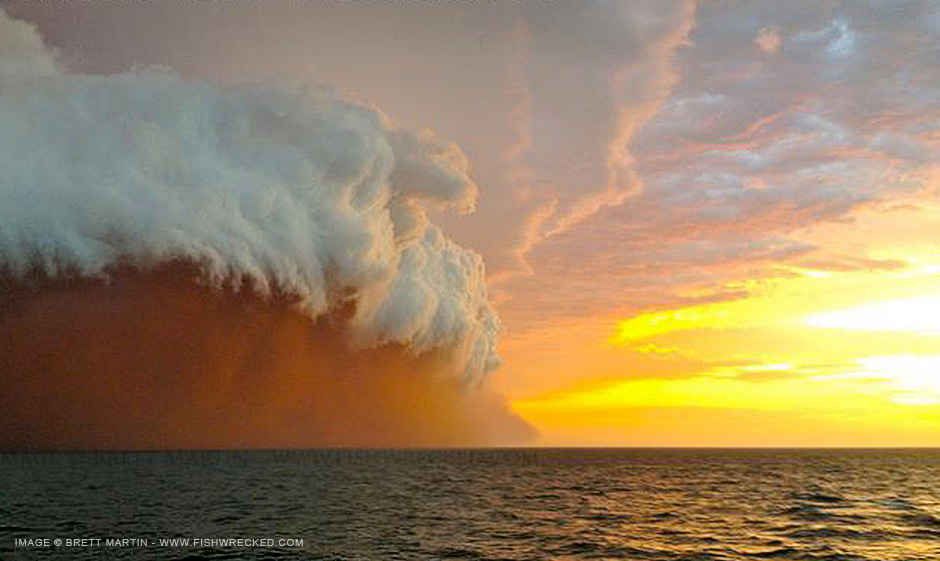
(283, 189)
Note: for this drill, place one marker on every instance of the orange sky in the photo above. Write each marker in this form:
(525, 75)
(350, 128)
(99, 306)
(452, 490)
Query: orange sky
(704, 223)
(808, 358)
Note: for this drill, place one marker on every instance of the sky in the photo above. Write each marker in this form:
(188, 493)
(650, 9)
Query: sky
(704, 223)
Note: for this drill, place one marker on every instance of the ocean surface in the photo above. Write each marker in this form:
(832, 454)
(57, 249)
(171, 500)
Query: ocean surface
(474, 504)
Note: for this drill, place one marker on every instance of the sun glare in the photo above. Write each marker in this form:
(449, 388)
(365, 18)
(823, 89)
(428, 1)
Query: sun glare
(918, 315)
(916, 377)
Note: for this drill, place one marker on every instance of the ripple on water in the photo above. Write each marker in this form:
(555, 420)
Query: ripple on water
(487, 505)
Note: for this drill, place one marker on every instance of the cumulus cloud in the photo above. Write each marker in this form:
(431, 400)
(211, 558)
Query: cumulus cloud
(23, 50)
(290, 195)
(295, 190)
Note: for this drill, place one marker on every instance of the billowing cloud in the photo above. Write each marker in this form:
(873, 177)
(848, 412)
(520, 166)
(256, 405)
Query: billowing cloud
(289, 195)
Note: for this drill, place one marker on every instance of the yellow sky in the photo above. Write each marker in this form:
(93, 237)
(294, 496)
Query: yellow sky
(780, 154)
(810, 357)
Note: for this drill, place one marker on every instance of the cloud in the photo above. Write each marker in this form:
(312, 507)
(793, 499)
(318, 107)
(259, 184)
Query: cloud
(153, 360)
(294, 196)
(23, 51)
(543, 97)
(768, 40)
(294, 190)
(664, 129)
(748, 152)
(848, 263)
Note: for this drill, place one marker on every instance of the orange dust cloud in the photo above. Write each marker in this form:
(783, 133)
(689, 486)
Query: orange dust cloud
(157, 360)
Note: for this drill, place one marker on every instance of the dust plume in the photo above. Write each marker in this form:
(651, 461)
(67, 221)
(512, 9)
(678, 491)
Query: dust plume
(185, 265)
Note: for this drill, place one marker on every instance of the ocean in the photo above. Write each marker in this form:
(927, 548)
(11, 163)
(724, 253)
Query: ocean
(513, 504)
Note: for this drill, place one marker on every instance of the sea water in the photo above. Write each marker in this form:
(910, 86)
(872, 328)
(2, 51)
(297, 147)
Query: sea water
(656, 504)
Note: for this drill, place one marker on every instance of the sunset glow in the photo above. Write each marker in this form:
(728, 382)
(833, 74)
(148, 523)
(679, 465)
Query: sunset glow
(640, 223)
(916, 315)
(433, 280)
(822, 359)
